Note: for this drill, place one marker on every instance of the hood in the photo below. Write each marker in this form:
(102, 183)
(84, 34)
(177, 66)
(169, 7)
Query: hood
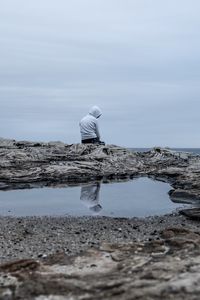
(96, 208)
(95, 111)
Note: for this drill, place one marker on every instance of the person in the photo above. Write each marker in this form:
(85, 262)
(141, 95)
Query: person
(89, 127)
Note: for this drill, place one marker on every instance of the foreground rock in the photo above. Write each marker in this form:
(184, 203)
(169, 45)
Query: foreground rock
(165, 267)
(28, 164)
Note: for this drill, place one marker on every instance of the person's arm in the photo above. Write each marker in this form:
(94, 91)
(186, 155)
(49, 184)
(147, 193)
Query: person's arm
(97, 130)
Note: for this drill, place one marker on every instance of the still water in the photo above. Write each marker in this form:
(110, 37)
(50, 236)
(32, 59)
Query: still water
(136, 198)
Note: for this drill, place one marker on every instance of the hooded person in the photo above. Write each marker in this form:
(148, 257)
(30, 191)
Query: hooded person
(89, 127)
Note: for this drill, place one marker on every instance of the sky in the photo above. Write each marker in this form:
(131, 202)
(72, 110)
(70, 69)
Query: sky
(138, 60)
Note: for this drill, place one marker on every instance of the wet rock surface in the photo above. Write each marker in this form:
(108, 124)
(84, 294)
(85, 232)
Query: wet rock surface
(193, 213)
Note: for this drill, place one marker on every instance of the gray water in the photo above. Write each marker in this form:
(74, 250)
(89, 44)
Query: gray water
(136, 198)
(191, 150)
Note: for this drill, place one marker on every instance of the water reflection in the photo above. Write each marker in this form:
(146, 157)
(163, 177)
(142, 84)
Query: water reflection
(135, 198)
(90, 197)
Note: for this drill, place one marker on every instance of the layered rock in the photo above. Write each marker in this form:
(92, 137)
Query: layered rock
(168, 268)
(27, 164)
(166, 265)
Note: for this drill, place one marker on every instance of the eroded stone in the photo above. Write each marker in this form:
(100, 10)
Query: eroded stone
(125, 271)
(26, 164)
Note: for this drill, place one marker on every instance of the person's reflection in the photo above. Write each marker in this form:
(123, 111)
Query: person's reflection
(90, 197)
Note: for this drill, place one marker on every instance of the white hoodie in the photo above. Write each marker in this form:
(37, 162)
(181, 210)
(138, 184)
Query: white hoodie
(89, 126)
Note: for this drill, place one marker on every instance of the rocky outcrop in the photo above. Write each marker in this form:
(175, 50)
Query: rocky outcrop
(27, 164)
(165, 268)
(155, 262)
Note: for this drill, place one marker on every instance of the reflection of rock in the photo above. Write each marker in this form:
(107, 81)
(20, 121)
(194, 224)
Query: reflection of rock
(28, 164)
(90, 196)
(149, 270)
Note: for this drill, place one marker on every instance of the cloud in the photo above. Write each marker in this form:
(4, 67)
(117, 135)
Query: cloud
(138, 60)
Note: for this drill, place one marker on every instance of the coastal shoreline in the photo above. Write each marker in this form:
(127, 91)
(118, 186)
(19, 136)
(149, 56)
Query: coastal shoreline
(76, 258)
(59, 258)
(32, 237)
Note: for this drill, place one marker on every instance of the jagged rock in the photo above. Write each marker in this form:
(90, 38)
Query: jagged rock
(26, 164)
(167, 266)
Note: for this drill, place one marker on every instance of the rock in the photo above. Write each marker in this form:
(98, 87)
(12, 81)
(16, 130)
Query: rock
(184, 196)
(26, 164)
(150, 270)
(24, 264)
(158, 265)
(193, 213)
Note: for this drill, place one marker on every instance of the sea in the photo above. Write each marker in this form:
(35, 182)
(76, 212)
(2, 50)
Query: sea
(190, 150)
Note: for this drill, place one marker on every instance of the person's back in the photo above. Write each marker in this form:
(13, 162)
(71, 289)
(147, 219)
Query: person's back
(89, 126)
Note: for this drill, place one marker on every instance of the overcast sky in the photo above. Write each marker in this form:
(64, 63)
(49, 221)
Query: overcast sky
(138, 60)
